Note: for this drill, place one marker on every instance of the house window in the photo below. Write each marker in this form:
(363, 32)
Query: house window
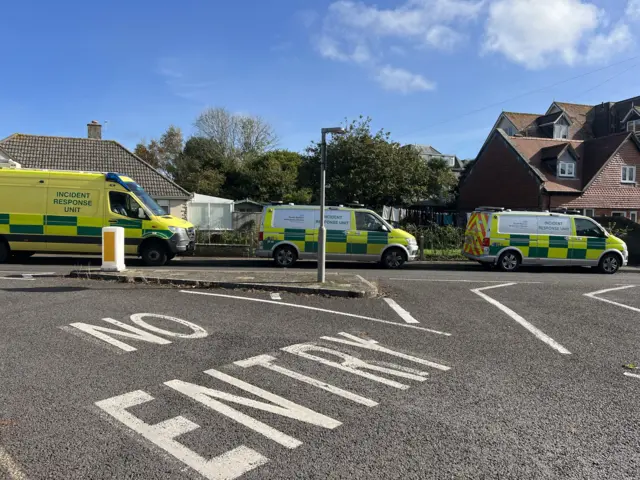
(628, 174)
(164, 204)
(589, 212)
(566, 169)
(633, 126)
(560, 131)
(633, 216)
(618, 214)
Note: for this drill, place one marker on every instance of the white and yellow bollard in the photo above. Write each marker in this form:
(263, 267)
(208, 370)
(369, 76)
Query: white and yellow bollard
(113, 249)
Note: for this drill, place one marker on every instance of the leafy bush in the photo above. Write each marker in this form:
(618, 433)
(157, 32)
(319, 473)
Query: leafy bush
(441, 240)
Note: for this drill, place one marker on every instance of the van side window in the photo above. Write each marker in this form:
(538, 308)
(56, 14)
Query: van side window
(367, 222)
(586, 228)
(123, 204)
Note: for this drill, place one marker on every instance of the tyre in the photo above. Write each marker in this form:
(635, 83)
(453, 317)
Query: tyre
(509, 261)
(609, 263)
(5, 252)
(154, 254)
(285, 256)
(394, 258)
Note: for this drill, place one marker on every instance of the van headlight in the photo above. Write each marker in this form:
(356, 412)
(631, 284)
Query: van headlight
(411, 241)
(180, 231)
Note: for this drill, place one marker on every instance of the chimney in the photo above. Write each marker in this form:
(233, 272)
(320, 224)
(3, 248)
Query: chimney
(94, 130)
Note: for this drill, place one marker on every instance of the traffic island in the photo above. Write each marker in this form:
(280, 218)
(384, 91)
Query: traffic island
(337, 284)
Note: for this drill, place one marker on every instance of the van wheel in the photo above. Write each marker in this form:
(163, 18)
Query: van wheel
(4, 252)
(509, 261)
(154, 254)
(609, 264)
(394, 258)
(285, 256)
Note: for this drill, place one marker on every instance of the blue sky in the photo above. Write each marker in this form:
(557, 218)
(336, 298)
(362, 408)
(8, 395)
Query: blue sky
(417, 67)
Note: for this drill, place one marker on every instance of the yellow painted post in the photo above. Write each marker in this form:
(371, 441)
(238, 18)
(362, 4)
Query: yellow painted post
(113, 249)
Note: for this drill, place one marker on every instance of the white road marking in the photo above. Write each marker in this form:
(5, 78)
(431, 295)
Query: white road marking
(133, 333)
(198, 331)
(364, 280)
(266, 362)
(276, 296)
(279, 406)
(8, 465)
(16, 278)
(26, 275)
(448, 280)
(376, 347)
(635, 375)
(227, 466)
(354, 365)
(540, 335)
(317, 310)
(137, 333)
(404, 315)
(599, 292)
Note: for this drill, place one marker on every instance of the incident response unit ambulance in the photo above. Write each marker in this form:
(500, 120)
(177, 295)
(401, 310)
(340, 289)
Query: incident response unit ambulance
(289, 233)
(47, 211)
(508, 239)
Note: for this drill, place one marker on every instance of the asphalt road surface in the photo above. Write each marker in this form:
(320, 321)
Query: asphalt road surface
(453, 375)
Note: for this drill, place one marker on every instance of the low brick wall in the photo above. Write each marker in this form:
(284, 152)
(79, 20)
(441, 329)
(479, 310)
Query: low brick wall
(222, 250)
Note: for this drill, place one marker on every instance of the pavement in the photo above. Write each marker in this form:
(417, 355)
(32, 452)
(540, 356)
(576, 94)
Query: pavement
(282, 280)
(452, 374)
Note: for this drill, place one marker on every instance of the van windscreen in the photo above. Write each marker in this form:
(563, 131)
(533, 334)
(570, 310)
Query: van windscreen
(144, 197)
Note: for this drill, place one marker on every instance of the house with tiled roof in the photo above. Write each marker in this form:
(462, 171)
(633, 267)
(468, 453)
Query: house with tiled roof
(93, 154)
(597, 176)
(428, 153)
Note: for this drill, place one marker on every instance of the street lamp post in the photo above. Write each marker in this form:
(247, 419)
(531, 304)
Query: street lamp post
(322, 231)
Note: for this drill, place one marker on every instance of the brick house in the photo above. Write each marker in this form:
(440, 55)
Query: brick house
(96, 155)
(596, 176)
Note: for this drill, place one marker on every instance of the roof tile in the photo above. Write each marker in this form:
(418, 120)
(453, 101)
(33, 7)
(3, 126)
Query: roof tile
(89, 155)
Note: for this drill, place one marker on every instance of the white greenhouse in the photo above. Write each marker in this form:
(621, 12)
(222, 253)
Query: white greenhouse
(210, 213)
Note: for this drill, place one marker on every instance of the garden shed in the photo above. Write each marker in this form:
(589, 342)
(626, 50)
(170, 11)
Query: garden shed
(210, 213)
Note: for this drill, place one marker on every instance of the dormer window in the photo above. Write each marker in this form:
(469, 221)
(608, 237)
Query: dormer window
(633, 126)
(560, 131)
(567, 169)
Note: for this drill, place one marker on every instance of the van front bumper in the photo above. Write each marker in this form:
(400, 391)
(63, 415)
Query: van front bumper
(481, 258)
(413, 252)
(182, 242)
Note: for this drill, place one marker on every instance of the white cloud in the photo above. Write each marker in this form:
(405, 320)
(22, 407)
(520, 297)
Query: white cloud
(538, 33)
(355, 32)
(633, 9)
(443, 37)
(403, 81)
(421, 22)
(603, 47)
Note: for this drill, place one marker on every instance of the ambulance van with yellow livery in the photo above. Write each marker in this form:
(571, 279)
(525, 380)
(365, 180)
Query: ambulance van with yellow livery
(47, 211)
(289, 233)
(508, 239)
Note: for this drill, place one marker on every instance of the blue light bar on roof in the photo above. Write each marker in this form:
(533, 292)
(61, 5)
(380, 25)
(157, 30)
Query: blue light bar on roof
(114, 177)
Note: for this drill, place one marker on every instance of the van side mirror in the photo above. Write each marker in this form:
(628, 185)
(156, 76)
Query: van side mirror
(141, 213)
(384, 228)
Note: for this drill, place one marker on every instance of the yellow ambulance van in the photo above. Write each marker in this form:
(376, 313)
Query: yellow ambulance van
(47, 211)
(289, 233)
(508, 239)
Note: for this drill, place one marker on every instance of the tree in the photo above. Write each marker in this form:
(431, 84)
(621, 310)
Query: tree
(372, 169)
(238, 136)
(162, 154)
(200, 167)
(273, 176)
